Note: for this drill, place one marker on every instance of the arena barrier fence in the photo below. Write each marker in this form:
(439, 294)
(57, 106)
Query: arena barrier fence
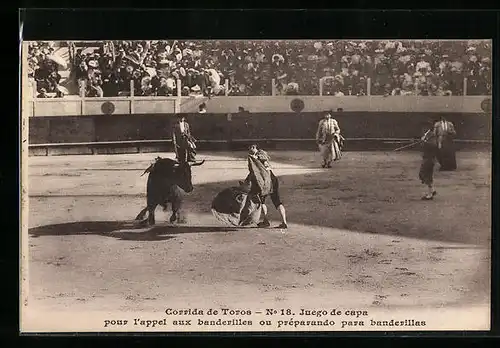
(155, 146)
(130, 105)
(368, 123)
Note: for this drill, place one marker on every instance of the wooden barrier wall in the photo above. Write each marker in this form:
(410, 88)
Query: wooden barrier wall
(75, 106)
(448, 104)
(95, 128)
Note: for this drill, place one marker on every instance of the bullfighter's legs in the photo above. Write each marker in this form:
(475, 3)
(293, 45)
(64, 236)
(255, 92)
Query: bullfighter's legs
(275, 197)
(325, 152)
(431, 192)
(265, 222)
(426, 175)
(329, 159)
(282, 211)
(323, 156)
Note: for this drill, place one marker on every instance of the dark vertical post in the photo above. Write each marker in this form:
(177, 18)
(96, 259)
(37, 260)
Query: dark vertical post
(228, 131)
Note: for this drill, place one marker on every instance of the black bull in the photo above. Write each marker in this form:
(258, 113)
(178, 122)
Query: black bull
(166, 181)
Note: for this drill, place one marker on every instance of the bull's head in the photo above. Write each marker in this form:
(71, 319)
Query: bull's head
(184, 176)
(180, 173)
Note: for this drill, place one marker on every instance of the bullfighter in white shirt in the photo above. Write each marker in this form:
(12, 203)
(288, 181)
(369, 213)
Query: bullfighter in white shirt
(329, 140)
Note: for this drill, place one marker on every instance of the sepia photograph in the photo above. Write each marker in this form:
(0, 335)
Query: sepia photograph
(173, 185)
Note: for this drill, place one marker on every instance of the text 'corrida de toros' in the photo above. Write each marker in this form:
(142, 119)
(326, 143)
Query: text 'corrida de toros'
(196, 311)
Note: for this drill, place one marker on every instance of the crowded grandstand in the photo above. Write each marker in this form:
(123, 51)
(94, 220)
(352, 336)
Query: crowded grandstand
(259, 68)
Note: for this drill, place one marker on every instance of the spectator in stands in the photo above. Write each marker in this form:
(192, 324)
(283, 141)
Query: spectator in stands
(110, 84)
(394, 67)
(79, 57)
(59, 93)
(46, 76)
(53, 80)
(292, 88)
(94, 88)
(43, 93)
(443, 90)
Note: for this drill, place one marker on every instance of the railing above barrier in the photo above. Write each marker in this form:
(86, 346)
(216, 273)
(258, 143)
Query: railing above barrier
(78, 106)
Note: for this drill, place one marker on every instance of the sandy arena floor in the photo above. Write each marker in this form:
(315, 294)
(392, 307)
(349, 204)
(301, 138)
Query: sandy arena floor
(358, 235)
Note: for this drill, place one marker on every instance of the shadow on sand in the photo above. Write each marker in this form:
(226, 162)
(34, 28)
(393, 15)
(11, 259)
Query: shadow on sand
(373, 193)
(123, 230)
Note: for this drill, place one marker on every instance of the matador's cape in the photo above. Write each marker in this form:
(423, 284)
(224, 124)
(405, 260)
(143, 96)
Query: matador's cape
(235, 206)
(240, 205)
(260, 173)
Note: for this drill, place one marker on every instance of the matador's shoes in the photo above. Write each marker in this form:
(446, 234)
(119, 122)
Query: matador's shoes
(283, 226)
(429, 196)
(264, 224)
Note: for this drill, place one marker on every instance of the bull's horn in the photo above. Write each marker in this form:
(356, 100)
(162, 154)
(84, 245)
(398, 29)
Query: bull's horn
(198, 164)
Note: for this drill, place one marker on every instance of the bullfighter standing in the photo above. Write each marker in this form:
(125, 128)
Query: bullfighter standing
(184, 142)
(445, 132)
(263, 183)
(329, 140)
(430, 153)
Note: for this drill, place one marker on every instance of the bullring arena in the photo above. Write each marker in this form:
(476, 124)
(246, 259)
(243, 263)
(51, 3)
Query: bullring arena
(359, 235)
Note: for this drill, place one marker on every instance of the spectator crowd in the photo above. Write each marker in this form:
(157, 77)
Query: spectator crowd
(43, 70)
(415, 67)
